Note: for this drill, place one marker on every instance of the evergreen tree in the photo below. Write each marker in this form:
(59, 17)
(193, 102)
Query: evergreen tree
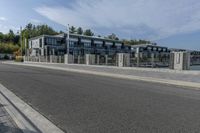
(88, 32)
(113, 37)
(72, 30)
(80, 31)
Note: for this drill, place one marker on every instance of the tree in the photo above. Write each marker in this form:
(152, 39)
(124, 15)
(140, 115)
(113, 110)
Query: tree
(1, 37)
(29, 26)
(72, 30)
(11, 35)
(88, 32)
(9, 43)
(37, 30)
(135, 42)
(8, 48)
(113, 37)
(79, 31)
(61, 32)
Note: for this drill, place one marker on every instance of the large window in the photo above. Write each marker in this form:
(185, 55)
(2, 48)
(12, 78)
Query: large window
(87, 45)
(71, 44)
(40, 43)
(98, 45)
(51, 41)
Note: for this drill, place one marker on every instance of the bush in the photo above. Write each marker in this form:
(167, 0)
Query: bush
(19, 59)
(8, 48)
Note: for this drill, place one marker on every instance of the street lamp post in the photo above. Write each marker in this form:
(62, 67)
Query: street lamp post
(21, 41)
(25, 43)
(68, 40)
(67, 56)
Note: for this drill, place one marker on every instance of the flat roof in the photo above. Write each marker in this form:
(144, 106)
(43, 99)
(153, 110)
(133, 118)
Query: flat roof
(147, 45)
(33, 38)
(77, 35)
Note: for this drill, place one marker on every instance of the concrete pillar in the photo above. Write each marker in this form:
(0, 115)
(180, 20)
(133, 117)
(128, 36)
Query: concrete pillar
(127, 60)
(89, 59)
(79, 59)
(39, 58)
(92, 59)
(138, 56)
(120, 59)
(51, 58)
(106, 59)
(181, 60)
(152, 60)
(98, 57)
(68, 59)
(123, 60)
(53, 51)
(46, 54)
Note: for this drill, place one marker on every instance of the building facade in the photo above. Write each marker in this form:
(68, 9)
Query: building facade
(46, 45)
(105, 50)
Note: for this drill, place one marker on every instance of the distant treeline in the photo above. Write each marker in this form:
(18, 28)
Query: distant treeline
(112, 36)
(10, 42)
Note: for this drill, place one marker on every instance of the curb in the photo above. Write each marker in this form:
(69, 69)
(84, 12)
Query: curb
(194, 85)
(193, 72)
(26, 118)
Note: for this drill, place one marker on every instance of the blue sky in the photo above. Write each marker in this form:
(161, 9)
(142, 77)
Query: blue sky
(172, 23)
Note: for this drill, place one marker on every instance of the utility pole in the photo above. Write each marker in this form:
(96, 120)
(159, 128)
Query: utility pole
(68, 39)
(67, 56)
(21, 41)
(25, 43)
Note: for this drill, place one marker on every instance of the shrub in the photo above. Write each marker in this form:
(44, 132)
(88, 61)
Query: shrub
(19, 59)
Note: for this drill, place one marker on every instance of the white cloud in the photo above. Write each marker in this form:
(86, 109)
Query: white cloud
(5, 28)
(153, 19)
(35, 21)
(3, 19)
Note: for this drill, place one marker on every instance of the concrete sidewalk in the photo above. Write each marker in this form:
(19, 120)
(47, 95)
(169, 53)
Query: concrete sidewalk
(181, 78)
(7, 124)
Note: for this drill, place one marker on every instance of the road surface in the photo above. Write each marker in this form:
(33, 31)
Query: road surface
(81, 103)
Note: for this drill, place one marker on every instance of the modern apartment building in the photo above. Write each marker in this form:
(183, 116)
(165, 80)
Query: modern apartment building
(105, 49)
(78, 45)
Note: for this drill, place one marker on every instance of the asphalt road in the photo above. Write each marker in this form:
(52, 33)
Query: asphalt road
(81, 103)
